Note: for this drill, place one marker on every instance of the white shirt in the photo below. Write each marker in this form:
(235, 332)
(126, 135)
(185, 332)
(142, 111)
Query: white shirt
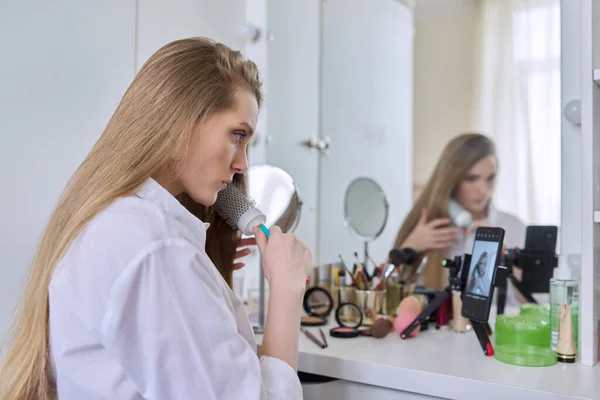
(139, 311)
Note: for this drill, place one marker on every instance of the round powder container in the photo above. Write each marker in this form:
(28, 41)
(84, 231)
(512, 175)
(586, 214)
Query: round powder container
(317, 303)
(349, 317)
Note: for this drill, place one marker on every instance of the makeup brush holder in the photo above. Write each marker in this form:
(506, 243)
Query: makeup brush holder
(343, 294)
(395, 293)
(372, 303)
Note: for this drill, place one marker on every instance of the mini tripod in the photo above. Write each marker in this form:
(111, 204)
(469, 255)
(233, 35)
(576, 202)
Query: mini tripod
(537, 271)
(457, 280)
(508, 261)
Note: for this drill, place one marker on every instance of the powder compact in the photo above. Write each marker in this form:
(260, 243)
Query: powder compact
(317, 304)
(349, 317)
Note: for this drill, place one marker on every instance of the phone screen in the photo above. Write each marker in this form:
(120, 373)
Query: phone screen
(478, 292)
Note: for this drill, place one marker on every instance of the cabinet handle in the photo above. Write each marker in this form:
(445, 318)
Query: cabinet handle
(323, 145)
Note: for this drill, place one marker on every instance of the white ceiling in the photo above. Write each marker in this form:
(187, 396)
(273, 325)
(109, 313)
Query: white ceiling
(426, 9)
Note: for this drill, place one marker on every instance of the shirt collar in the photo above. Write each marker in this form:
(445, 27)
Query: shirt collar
(153, 191)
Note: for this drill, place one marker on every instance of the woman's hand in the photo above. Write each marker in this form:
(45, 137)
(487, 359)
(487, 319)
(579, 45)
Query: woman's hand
(286, 261)
(432, 235)
(243, 251)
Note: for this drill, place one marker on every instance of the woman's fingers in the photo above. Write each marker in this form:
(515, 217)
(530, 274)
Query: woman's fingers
(445, 231)
(423, 219)
(247, 242)
(438, 222)
(242, 253)
(238, 265)
(441, 244)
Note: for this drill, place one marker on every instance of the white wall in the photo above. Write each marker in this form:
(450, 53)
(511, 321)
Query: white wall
(64, 65)
(161, 21)
(444, 60)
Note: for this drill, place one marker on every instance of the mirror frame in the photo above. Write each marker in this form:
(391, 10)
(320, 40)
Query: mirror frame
(347, 219)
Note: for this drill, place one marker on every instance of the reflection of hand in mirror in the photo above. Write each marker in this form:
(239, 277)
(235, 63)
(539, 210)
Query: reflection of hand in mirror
(431, 235)
(243, 251)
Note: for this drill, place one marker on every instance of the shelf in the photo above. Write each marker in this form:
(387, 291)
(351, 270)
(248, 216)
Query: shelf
(597, 76)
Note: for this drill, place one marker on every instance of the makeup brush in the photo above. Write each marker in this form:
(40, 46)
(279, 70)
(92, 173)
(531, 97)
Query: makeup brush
(354, 283)
(323, 337)
(363, 269)
(387, 272)
(374, 265)
(240, 211)
(420, 269)
(313, 338)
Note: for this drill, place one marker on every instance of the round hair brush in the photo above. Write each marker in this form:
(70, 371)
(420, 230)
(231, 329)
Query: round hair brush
(240, 211)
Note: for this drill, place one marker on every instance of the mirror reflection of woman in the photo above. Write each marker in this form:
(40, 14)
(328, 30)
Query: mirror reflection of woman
(465, 172)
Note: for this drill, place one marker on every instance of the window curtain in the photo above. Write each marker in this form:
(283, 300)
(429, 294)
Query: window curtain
(517, 98)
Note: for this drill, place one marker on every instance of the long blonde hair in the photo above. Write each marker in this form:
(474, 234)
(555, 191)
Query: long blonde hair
(458, 157)
(183, 84)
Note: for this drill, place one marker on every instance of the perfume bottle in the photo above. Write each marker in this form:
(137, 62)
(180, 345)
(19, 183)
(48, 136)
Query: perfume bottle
(564, 311)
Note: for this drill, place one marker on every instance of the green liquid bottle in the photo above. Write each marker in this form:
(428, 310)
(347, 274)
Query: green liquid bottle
(564, 292)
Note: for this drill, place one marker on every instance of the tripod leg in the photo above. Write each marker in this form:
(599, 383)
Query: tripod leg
(501, 298)
(521, 290)
(488, 329)
(482, 335)
(426, 313)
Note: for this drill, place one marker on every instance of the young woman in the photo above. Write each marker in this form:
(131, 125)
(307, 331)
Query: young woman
(128, 295)
(466, 173)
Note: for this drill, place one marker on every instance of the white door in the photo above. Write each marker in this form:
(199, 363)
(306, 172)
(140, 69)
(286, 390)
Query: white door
(367, 95)
(64, 67)
(293, 101)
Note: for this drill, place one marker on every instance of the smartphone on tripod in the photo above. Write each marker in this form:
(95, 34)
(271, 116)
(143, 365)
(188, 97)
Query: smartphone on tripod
(479, 290)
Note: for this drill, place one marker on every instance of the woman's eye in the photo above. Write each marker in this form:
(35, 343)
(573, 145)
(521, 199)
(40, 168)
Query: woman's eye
(471, 178)
(240, 135)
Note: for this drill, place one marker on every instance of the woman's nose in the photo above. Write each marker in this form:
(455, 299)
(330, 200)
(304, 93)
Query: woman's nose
(240, 162)
(483, 188)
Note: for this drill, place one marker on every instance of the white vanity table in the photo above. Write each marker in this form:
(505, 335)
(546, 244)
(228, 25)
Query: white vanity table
(435, 364)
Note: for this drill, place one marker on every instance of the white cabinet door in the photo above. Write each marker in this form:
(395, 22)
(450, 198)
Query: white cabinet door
(65, 65)
(367, 96)
(293, 101)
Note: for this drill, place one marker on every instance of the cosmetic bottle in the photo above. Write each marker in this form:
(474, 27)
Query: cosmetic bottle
(564, 311)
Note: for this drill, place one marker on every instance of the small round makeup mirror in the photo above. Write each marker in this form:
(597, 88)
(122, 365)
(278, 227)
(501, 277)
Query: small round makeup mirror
(365, 210)
(276, 195)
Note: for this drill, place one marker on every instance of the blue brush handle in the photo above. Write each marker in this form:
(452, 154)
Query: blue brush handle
(265, 230)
